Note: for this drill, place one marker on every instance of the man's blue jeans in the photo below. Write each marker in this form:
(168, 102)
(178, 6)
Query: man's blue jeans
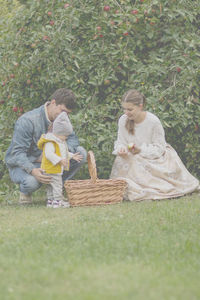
(28, 183)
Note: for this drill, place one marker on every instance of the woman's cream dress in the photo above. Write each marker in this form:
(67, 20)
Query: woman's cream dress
(156, 172)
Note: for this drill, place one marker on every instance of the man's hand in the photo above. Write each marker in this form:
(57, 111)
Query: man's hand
(122, 152)
(38, 173)
(77, 156)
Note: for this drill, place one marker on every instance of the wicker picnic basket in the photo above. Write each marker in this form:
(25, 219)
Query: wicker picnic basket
(94, 191)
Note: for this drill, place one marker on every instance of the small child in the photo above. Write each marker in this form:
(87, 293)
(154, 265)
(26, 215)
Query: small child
(56, 157)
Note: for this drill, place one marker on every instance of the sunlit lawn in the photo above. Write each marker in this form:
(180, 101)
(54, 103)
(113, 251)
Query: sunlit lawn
(146, 250)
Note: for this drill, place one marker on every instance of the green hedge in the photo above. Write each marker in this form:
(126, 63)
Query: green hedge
(99, 49)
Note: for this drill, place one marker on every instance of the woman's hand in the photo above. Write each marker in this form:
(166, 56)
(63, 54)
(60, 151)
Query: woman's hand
(122, 152)
(133, 149)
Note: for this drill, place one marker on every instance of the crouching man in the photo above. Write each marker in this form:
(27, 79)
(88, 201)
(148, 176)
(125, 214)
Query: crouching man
(23, 158)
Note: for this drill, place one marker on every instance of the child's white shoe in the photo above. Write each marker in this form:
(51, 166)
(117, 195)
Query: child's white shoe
(60, 204)
(49, 203)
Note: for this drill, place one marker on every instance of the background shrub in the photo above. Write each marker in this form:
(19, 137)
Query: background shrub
(99, 49)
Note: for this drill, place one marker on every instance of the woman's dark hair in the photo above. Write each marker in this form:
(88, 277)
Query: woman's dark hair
(64, 96)
(136, 98)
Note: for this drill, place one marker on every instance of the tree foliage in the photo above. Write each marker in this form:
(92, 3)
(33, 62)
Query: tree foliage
(100, 49)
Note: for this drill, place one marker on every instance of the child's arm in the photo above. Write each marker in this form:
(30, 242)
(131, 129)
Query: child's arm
(50, 153)
(76, 156)
(63, 162)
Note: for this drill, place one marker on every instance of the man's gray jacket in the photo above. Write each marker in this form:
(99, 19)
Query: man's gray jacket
(23, 150)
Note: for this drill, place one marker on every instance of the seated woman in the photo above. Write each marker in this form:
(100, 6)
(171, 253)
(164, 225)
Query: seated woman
(150, 166)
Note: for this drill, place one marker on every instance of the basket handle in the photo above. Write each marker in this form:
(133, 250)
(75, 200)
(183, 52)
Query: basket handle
(92, 166)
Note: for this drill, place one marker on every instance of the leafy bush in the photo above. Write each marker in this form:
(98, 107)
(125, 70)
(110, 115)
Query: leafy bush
(99, 49)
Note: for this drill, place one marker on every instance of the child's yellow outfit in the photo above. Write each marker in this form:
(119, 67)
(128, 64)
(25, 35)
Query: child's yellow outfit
(53, 151)
(46, 164)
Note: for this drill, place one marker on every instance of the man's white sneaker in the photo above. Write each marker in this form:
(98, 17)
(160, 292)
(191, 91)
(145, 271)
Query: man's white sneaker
(25, 198)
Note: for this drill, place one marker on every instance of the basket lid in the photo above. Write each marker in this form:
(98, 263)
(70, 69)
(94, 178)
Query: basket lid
(92, 166)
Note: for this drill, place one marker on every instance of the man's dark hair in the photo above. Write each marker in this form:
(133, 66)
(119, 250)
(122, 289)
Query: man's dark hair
(64, 96)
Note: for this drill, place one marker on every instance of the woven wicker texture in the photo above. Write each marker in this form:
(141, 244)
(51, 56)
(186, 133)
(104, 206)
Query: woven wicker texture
(94, 191)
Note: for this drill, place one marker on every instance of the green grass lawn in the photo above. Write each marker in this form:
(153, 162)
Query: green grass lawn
(146, 250)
